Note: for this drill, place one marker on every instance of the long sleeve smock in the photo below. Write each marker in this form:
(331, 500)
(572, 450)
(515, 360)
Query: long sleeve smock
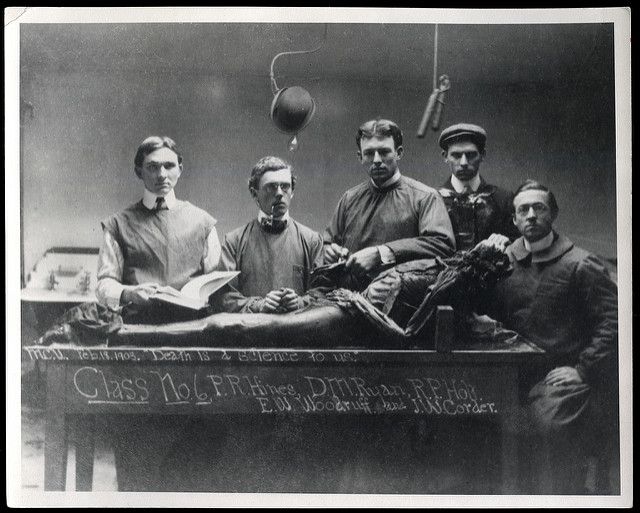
(563, 300)
(408, 217)
(266, 261)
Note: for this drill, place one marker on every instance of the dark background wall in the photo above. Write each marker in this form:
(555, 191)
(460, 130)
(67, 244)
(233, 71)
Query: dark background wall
(544, 93)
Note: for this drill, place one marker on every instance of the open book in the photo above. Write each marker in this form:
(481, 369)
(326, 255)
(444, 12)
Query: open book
(195, 294)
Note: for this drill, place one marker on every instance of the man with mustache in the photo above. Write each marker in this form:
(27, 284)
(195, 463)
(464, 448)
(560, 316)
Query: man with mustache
(561, 298)
(274, 253)
(390, 218)
(157, 241)
(478, 210)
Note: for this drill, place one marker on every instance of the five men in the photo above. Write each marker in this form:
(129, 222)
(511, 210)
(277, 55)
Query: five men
(274, 253)
(477, 208)
(558, 296)
(390, 218)
(561, 298)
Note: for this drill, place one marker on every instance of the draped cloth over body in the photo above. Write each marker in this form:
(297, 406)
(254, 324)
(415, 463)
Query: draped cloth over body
(333, 317)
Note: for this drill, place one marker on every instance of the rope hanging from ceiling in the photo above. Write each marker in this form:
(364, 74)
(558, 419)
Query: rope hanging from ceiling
(435, 106)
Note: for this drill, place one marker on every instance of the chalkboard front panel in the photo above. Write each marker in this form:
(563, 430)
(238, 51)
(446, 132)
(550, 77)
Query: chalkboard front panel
(436, 390)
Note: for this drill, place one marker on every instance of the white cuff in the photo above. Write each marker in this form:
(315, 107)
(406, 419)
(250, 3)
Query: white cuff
(386, 255)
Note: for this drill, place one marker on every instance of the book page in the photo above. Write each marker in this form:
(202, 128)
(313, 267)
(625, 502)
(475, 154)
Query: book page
(203, 286)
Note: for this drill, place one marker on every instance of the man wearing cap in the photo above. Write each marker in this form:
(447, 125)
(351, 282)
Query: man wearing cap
(478, 210)
(390, 218)
(561, 298)
(274, 253)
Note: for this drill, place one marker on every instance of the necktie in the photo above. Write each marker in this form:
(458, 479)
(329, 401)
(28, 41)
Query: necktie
(161, 204)
(273, 225)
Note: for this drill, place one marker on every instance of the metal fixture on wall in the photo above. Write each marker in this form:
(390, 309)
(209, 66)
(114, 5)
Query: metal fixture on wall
(26, 113)
(435, 106)
(292, 107)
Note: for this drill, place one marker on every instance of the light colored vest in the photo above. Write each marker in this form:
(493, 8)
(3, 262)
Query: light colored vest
(164, 246)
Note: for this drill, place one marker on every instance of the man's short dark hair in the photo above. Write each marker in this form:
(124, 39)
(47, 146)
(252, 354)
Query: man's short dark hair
(153, 143)
(534, 185)
(380, 128)
(266, 164)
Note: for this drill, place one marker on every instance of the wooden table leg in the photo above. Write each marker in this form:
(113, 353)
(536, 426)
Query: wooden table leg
(55, 436)
(509, 442)
(85, 443)
(444, 329)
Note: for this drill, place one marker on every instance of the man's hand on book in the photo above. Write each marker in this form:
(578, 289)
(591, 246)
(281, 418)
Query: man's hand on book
(169, 290)
(139, 294)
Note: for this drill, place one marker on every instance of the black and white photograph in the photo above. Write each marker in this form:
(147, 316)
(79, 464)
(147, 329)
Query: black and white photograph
(276, 257)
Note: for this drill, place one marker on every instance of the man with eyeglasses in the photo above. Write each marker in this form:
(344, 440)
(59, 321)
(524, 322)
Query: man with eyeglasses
(274, 253)
(390, 218)
(478, 210)
(561, 298)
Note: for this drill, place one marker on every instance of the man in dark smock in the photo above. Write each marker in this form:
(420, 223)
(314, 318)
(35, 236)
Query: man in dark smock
(155, 242)
(390, 218)
(387, 220)
(274, 253)
(561, 298)
(477, 209)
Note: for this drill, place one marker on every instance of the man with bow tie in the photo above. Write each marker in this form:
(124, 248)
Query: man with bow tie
(274, 253)
(477, 209)
(155, 242)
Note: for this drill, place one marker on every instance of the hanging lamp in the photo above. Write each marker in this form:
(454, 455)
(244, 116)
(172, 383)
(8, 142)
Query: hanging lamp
(292, 107)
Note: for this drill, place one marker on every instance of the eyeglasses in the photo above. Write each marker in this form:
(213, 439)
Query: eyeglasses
(273, 187)
(538, 208)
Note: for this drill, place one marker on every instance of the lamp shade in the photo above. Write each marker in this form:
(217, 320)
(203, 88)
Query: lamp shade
(292, 109)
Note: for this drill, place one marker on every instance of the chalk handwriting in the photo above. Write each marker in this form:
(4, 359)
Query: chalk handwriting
(45, 353)
(291, 391)
(186, 355)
